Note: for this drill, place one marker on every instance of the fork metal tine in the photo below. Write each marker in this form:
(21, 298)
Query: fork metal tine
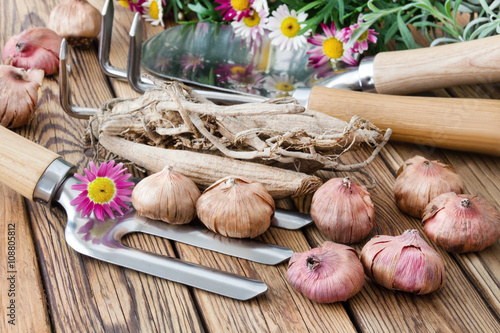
(64, 88)
(105, 37)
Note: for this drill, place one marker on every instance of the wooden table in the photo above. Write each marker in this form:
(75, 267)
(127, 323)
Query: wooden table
(60, 290)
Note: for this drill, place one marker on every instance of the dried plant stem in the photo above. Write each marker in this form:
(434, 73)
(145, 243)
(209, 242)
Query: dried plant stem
(206, 169)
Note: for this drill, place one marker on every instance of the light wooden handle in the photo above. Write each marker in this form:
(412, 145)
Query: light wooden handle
(22, 162)
(409, 71)
(455, 123)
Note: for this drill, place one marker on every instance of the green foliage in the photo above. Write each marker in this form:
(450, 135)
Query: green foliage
(390, 18)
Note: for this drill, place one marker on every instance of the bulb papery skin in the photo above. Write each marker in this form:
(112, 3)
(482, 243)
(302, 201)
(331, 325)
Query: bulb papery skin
(36, 48)
(461, 223)
(236, 207)
(77, 21)
(343, 211)
(327, 274)
(420, 180)
(18, 95)
(166, 196)
(405, 263)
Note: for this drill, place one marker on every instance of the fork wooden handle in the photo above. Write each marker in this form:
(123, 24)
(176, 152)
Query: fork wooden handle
(22, 162)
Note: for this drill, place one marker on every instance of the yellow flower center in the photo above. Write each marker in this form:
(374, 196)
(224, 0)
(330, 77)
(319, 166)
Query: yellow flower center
(333, 48)
(363, 36)
(154, 10)
(238, 70)
(253, 20)
(290, 27)
(240, 5)
(124, 3)
(284, 86)
(101, 190)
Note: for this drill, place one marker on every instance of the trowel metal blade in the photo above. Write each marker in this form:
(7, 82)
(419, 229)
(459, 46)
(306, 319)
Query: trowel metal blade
(210, 55)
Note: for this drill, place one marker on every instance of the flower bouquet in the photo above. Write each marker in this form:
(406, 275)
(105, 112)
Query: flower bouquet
(329, 34)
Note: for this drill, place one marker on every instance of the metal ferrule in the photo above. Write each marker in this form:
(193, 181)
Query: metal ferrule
(53, 177)
(359, 78)
(365, 71)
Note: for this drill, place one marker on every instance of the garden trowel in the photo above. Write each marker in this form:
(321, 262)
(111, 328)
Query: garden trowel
(458, 123)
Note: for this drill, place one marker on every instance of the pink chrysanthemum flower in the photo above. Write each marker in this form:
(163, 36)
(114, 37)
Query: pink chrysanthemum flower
(133, 5)
(330, 48)
(102, 189)
(362, 43)
(191, 62)
(234, 9)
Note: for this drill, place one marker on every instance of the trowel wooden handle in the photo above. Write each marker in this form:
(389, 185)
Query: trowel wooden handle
(455, 123)
(409, 71)
(22, 162)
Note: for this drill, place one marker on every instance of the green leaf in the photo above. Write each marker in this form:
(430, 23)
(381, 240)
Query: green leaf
(311, 5)
(198, 8)
(406, 34)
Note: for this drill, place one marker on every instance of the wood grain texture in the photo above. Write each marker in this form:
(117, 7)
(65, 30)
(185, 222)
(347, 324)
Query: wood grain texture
(22, 162)
(435, 312)
(84, 294)
(466, 124)
(22, 296)
(406, 72)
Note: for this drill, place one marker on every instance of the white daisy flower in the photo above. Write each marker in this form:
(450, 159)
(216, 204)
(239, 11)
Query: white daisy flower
(284, 26)
(259, 5)
(153, 12)
(251, 28)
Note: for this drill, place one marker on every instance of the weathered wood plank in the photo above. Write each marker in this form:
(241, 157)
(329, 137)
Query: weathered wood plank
(83, 292)
(378, 309)
(22, 296)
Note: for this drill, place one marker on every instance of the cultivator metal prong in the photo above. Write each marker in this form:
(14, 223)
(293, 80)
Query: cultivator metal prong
(65, 90)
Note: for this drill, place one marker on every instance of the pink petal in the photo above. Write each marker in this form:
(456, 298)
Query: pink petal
(108, 210)
(93, 168)
(77, 200)
(83, 205)
(79, 187)
(124, 192)
(124, 185)
(88, 209)
(90, 176)
(99, 212)
(81, 178)
(103, 168)
(121, 203)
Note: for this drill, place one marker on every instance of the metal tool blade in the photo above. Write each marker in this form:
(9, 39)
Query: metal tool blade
(211, 55)
(291, 220)
(111, 232)
(103, 240)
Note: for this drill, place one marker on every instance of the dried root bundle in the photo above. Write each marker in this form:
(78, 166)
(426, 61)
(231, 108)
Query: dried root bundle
(278, 132)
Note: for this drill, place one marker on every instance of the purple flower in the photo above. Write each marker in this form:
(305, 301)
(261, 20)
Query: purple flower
(234, 9)
(362, 43)
(133, 5)
(102, 189)
(330, 47)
